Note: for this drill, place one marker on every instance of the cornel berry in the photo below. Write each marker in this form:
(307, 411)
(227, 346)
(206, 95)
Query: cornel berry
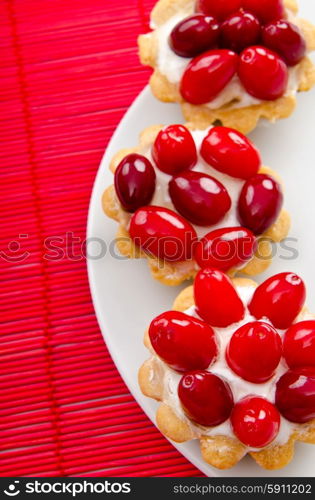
(208, 74)
(199, 198)
(183, 342)
(193, 35)
(134, 182)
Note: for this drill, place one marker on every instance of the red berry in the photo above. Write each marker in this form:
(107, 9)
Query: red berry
(163, 233)
(263, 73)
(286, 39)
(216, 299)
(174, 149)
(265, 10)
(206, 398)
(295, 395)
(280, 299)
(299, 344)
(208, 74)
(225, 248)
(230, 152)
(134, 182)
(255, 421)
(199, 198)
(220, 9)
(183, 342)
(254, 352)
(194, 35)
(239, 31)
(260, 203)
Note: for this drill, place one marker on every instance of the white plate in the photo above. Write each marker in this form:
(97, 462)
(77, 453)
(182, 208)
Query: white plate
(125, 296)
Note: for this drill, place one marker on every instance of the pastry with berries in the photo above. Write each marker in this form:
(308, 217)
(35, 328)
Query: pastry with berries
(233, 365)
(229, 61)
(187, 199)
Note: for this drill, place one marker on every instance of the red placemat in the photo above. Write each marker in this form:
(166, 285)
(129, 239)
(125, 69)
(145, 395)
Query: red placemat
(69, 70)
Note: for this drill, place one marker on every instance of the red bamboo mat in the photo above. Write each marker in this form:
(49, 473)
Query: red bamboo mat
(69, 70)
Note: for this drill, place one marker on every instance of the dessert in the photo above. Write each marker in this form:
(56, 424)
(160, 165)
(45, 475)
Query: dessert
(187, 199)
(233, 365)
(229, 61)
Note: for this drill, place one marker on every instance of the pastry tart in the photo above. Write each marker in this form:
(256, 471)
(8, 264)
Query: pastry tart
(186, 199)
(229, 61)
(233, 366)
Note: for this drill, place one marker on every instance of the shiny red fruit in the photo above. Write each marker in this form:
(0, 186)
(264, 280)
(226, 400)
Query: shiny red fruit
(199, 198)
(230, 152)
(263, 73)
(265, 10)
(174, 149)
(183, 342)
(255, 421)
(295, 395)
(299, 344)
(194, 35)
(216, 299)
(240, 30)
(280, 299)
(286, 39)
(208, 74)
(220, 9)
(163, 233)
(259, 203)
(134, 182)
(254, 352)
(225, 248)
(206, 398)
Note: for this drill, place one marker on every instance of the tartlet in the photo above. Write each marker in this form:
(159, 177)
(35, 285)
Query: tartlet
(206, 226)
(231, 104)
(244, 387)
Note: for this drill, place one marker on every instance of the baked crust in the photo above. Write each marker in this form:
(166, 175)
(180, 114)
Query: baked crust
(243, 119)
(175, 273)
(222, 452)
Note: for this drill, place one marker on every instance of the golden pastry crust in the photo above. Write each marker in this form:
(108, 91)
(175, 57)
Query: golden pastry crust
(243, 119)
(222, 452)
(175, 273)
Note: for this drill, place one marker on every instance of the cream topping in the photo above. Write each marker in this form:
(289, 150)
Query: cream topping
(240, 387)
(173, 66)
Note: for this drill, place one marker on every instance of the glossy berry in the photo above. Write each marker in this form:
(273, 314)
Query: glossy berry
(199, 198)
(220, 9)
(265, 10)
(255, 421)
(280, 299)
(263, 73)
(286, 39)
(259, 203)
(216, 299)
(163, 233)
(183, 342)
(225, 248)
(254, 352)
(230, 152)
(134, 182)
(194, 35)
(295, 395)
(174, 149)
(299, 344)
(239, 31)
(206, 398)
(207, 75)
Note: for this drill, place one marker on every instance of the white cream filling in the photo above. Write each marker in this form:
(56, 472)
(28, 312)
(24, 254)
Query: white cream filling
(173, 66)
(161, 197)
(240, 387)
